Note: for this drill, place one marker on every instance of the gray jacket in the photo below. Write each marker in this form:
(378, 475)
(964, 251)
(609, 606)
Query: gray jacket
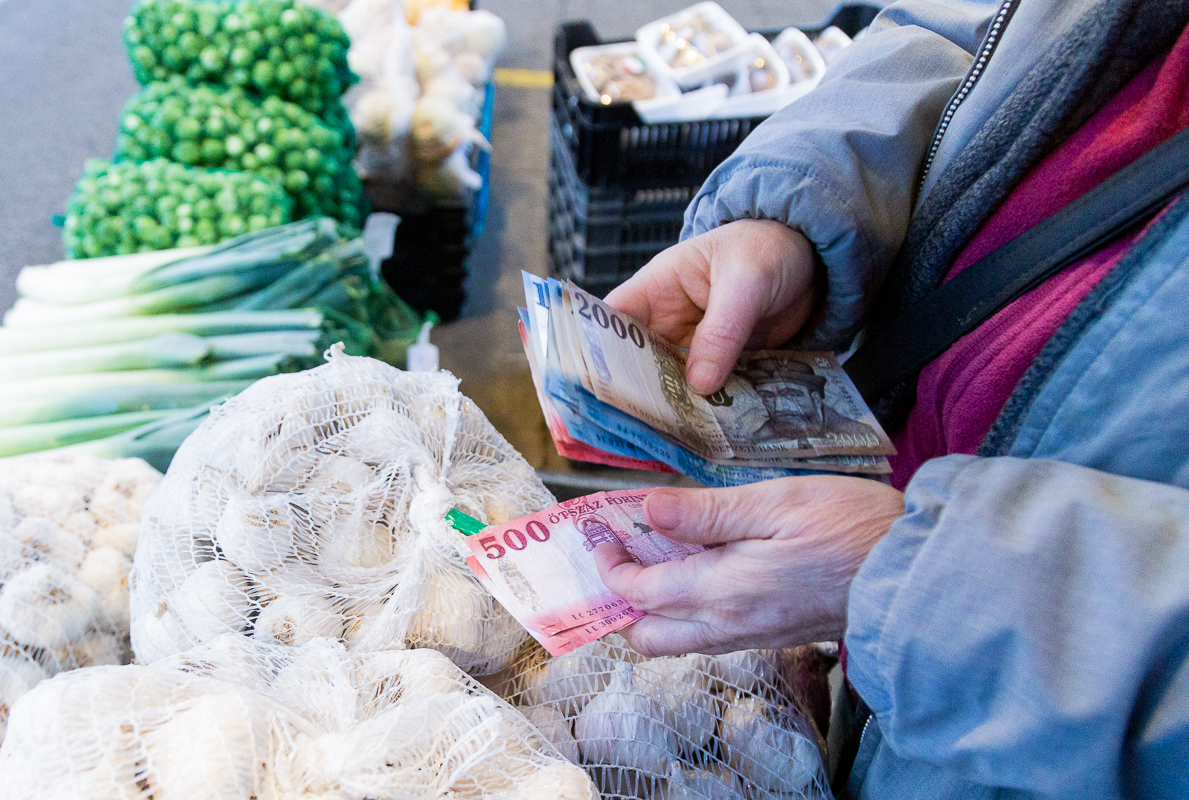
(1024, 629)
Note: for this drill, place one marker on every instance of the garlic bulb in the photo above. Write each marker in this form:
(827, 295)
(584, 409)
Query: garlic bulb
(37, 499)
(556, 782)
(105, 570)
(120, 495)
(683, 686)
(380, 437)
(427, 672)
(354, 540)
(8, 511)
(440, 128)
(82, 524)
(625, 727)
(568, 682)
(155, 637)
(42, 539)
(210, 747)
(691, 783)
(214, 599)
(554, 727)
(761, 743)
(97, 650)
(257, 532)
(294, 618)
(454, 617)
(122, 537)
(747, 671)
(18, 674)
(450, 178)
(43, 606)
(340, 475)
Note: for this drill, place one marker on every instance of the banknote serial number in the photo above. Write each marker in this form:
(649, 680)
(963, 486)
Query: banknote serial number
(514, 539)
(610, 321)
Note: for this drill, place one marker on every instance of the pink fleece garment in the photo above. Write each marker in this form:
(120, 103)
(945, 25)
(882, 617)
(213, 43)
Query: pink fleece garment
(960, 394)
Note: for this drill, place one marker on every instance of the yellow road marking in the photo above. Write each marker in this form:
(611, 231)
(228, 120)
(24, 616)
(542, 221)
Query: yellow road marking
(523, 78)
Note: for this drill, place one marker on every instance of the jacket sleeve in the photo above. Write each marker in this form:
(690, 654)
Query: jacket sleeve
(840, 164)
(1026, 624)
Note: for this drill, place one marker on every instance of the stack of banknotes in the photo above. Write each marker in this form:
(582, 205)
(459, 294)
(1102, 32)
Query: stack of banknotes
(614, 392)
(541, 567)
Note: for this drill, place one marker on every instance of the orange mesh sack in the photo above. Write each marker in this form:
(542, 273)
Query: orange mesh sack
(243, 719)
(313, 505)
(68, 526)
(733, 727)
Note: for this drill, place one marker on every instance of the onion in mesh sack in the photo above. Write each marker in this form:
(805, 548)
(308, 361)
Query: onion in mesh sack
(238, 718)
(325, 492)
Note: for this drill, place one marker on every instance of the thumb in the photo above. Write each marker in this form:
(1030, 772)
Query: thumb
(710, 516)
(732, 311)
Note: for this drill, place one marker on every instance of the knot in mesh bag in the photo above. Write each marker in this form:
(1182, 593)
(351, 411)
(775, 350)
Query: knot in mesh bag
(732, 727)
(242, 719)
(68, 526)
(313, 505)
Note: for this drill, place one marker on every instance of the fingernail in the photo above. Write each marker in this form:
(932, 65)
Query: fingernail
(663, 509)
(701, 375)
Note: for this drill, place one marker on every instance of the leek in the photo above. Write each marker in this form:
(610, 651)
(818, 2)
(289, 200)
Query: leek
(234, 370)
(90, 279)
(291, 343)
(166, 350)
(155, 441)
(116, 400)
(109, 331)
(50, 435)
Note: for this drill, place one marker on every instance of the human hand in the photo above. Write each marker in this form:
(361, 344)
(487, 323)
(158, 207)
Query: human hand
(789, 549)
(749, 283)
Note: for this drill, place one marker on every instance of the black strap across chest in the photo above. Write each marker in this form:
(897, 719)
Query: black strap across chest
(897, 348)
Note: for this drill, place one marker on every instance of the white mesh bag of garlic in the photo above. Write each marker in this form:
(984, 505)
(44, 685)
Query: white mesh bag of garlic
(732, 727)
(313, 505)
(237, 718)
(68, 527)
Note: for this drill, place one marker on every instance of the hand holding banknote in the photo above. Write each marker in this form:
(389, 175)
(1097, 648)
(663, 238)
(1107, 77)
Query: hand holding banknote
(777, 570)
(616, 390)
(745, 285)
(541, 567)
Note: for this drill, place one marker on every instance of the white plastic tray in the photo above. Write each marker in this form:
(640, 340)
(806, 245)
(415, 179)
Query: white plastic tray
(581, 56)
(650, 37)
(799, 55)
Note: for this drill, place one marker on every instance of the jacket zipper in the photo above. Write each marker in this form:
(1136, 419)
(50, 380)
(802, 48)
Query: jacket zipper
(976, 71)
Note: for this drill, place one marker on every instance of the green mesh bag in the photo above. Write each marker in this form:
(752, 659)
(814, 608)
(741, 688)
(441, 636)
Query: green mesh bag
(275, 47)
(225, 128)
(155, 205)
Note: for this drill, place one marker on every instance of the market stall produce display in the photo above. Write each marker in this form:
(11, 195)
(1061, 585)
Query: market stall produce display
(417, 106)
(278, 48)
(68, 528)
(240, 719)
(205, 126)
(313, 505)
(129, 208)
(101, 353)
(731, 727)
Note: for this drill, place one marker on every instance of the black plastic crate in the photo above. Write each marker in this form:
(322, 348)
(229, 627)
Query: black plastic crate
(428, 263)
(612, 146)
(598, 237)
